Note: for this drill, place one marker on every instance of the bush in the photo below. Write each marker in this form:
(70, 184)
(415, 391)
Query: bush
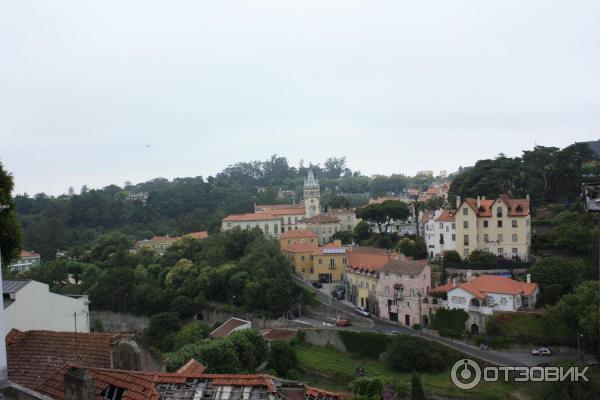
(183, 306)
(193, 332)
(371, 388)
(450, 323)
(364, 344)
(219, 356)
(551, 294)
(251, 348)
(410, 353)
(452, 256)
(283, 358)
(416, 388)
(161, 332)
(416, 326)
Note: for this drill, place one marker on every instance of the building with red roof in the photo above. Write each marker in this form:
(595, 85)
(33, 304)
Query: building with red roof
(500, 226)
(490, 293)
(440, 233)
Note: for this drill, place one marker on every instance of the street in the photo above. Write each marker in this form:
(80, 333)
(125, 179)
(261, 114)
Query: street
(373, 324)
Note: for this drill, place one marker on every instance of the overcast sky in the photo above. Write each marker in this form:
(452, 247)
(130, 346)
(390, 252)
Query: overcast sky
(86, 87)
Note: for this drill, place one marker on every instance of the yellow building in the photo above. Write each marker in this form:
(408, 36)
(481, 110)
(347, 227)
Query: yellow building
(329, 263)
(364, 264)
(297, 236)
(499, 226)
(301, 256)
(317, 264)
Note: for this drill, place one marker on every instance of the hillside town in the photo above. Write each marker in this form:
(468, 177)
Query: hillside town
(448, 270)
(299, 200)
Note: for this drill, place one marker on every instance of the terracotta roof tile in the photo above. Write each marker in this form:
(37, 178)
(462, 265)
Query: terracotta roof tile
(446, 216)
(192, 367)
(198, 235)
(298, 233)
(368, 259)
(250, 217)
(302, 247)
(35, 355)
(319, 219)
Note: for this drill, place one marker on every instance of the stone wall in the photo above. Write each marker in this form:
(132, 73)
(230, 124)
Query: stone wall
(324, 337)
(117, 322)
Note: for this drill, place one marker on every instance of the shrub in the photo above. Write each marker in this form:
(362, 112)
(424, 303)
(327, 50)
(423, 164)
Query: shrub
(193, 332)
(283, 358)
(416, 326)
(409, 353)
(364, 344)
(450, 323)
(251, 348)
(371, 388)
(219, 356)
(161, 331)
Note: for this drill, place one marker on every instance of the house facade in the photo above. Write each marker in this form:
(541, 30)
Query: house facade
(298, 236)
(323, 225)
(404, 285)
(487, 294)
(499, 226)
(362, 276)
(313, 263)
(440, 233)
(29, 305)
(26, 261)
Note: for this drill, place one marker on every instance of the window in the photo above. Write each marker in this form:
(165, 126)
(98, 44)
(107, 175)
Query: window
(387, 289)
(344, 261)
(332, 263)
(466, 240)
(320, 261)
(485, 224)
(466, 252)
(499, 212)
(289, 220)
(454, 237)
(514, 223)
(514, 237)
(499, 223)
(515, 251)
(465, 211)
(275, 227)
(302, 258)
(453, 225)
(266, 228)
(112, 393)
(500, 251)
(441, 238)
(500, 237)
(485, 237)
(441, 225)
(466, 224)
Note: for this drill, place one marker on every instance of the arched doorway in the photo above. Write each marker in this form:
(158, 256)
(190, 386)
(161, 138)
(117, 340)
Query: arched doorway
(474, 329)
(425, 321)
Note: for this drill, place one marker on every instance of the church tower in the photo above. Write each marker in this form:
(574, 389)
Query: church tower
(312, 195)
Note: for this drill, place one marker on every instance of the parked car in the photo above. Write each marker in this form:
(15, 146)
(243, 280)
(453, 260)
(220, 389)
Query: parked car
(318, 285)
(361, 311)
(484, 346)
(541, 351)
(338, 294)
(343, 322)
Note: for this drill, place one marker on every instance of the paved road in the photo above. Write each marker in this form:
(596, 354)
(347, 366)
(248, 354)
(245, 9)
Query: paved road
(503, 358)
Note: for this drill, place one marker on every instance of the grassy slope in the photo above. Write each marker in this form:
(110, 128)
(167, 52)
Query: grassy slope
(331, 369)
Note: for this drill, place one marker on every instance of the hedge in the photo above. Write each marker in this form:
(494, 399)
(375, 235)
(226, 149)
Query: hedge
(364, 344)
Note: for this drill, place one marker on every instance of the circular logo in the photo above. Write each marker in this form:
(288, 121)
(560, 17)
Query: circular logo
(465, 374)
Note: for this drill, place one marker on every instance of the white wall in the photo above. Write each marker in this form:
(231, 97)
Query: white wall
(36, 308)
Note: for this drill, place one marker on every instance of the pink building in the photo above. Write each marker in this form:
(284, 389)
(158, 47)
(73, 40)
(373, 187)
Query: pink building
(404, 287)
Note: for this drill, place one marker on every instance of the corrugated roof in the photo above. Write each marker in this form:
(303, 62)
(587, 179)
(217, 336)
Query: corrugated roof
(13, 286)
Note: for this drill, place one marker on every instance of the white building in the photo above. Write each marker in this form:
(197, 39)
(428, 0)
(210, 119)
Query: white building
(440, 233)
(26, 261)
(29, 305)
(488, 293)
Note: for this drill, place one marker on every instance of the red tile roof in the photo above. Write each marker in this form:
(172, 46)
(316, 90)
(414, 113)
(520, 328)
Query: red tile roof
(278, 334)
(368, 259)
(33, 356)
(302, 247)
(27, 254)
(228, 326)
(491, 284)
(298, 233)
(149, 386)
(250, 217)
(404, 265)
(268, 207)
(516, 207)
(192, 367)
(446, 216)
(198, 235)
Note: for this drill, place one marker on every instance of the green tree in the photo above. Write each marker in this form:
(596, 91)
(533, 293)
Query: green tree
(416, 388)
(283, 358)
(193, 332)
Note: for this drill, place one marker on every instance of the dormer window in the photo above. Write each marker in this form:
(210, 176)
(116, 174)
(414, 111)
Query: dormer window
(112, 392)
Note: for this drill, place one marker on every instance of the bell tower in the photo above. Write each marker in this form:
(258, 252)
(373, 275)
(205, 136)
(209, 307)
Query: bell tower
(312, 195)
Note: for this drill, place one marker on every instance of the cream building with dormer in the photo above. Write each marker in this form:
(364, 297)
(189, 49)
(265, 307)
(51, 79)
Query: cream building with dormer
(499, 226)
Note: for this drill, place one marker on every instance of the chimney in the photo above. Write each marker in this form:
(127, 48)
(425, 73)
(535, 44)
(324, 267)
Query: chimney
(528, 278)
(79, 384)
(453, 282)
(527, 196)
(478, 202)
(469, 275)
(482, 197)
(457, 201)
